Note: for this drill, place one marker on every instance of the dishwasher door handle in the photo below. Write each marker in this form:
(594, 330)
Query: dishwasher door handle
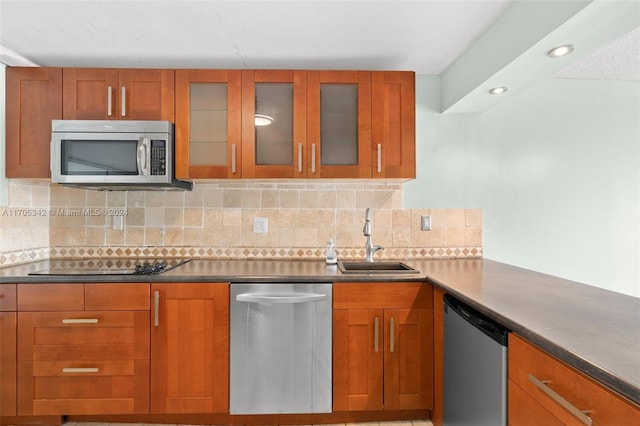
(269, 299)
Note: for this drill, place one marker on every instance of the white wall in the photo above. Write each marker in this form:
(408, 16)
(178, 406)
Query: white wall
(4, 182)
(556, 170)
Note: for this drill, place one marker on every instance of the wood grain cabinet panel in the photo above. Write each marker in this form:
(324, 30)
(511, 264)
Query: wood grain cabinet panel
(532, 371)
(33, 99)
(50, 297)
(393, 124)
(8, 357)
(75, 360)
(119, 94)
(190, 347)
(383, 346)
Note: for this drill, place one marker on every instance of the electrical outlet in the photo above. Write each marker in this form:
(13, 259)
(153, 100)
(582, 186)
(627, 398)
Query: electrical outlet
(425, 223)
(118, 222)
(260, 225)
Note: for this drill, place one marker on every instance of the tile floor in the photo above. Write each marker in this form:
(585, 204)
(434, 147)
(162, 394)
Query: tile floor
(401, 423)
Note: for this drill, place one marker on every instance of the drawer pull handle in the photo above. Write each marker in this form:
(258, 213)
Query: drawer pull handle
(80, 370)
(376, 334)
(560, 400)
(80, 321)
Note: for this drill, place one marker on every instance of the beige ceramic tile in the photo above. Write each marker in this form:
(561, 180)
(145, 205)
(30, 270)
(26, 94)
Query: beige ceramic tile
(231, 198)
(154, 216)
(456, 237)
(289, 199)
(154, 198)
(212, 218)
(134, 217)
(250, 199)
(231, 218)
(473, 217)
(327, 199)
(96, 199)
(455, 218)
(473, 237)
(401, 219)
(438, 218)
(95, 236)
(346, 199)
(232, 236)
(193, 217)
(174, 199)
(270, 199)
(308, 199)
(401, 237)
(134, 236)
(308, 219)
(192, 237)
(154, 236)
(213, 197)
(194, 198)
(438, 237)
(364, 199)
(114, 237)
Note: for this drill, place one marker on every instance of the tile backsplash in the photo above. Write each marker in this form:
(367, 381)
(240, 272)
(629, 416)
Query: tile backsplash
(216, 220)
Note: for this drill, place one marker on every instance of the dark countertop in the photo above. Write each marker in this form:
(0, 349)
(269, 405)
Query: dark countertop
(595, 330)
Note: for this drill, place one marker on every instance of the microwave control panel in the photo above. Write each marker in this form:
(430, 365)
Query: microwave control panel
(158, 158)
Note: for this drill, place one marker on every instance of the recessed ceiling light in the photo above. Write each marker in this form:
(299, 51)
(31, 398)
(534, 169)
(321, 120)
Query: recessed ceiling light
(560, 51)
(498, 90)
(263, 120)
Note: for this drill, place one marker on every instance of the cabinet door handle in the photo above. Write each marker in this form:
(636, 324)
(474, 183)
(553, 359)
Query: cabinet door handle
(376, 333)
(313, 158)
(379, 158)
(80, 321)
(392, 335)
(156, 307)
(109, 101)
(542, 385)
(233, 158)
(80, 370)
(299, 158)
(124, 101)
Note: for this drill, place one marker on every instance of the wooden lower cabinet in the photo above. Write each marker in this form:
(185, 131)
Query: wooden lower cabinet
(383, 346)
(83, 362)
(190, 348)
(538, 383)
(82, 349)
(8, 350)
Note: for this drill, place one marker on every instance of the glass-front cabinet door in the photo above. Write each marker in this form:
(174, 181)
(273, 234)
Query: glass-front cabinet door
(339, 124)
(208, 124)
(273, 123)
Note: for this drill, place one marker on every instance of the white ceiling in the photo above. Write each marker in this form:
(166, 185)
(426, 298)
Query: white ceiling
(473, 45)
(422, 36)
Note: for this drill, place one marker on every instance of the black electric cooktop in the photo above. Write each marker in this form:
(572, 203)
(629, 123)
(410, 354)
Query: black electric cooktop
(110, 267)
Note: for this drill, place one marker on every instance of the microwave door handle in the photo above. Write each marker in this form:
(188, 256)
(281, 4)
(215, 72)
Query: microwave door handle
(143, 156)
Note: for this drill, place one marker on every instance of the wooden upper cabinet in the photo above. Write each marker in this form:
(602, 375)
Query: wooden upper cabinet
(208, 124)
(274, 128)
(393, 124)
(339, 124)
(118, 94)
(33, 99)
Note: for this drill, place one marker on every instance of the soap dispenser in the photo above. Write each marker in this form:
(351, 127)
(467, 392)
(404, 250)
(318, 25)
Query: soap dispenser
(331, 259)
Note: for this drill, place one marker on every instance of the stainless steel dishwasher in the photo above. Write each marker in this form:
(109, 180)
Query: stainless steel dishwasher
(280, 348)
(475, 368)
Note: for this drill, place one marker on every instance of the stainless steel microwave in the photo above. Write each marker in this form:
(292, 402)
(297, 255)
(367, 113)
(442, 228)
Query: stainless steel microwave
(114, 155)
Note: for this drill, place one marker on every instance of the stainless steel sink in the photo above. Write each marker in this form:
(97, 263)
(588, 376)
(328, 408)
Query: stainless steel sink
(376, 268)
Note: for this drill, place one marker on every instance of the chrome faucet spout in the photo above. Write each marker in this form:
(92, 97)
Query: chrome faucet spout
(369, 247)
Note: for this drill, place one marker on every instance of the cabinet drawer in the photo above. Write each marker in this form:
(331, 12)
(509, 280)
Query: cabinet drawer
(109, 387)
(50, 297)
(83, 336)
(8, 297)
(533, 370)
(382, 295)
(119, 297)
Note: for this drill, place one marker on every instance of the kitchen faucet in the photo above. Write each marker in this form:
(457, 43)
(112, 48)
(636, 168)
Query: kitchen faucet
(369, 248)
